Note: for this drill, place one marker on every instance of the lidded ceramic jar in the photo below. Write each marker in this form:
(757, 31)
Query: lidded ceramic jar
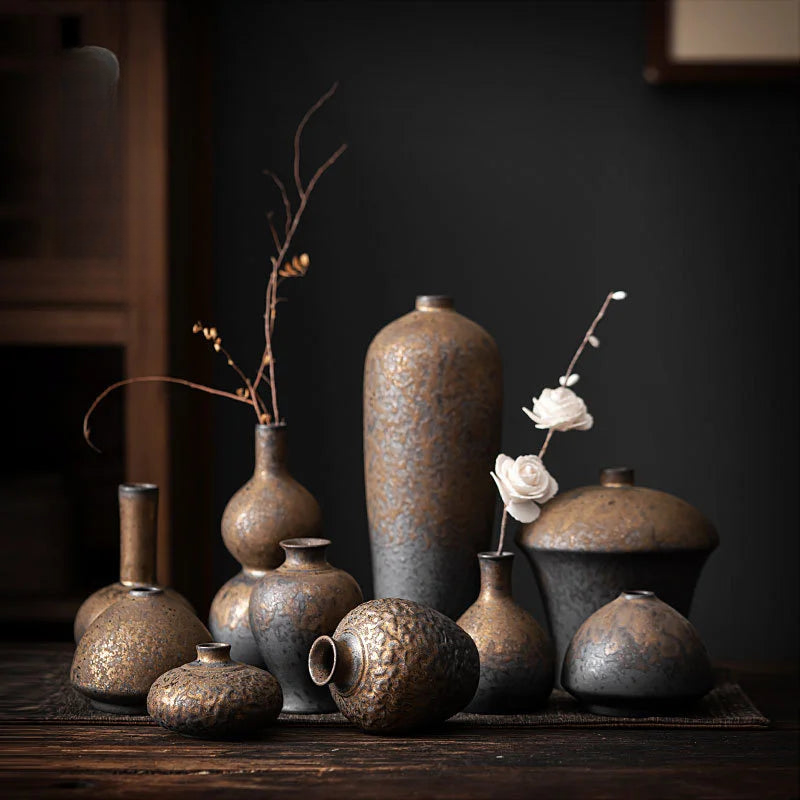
(636, 656)
(305, 597)
(138, 517)
(516, 655)
(395, 666)
(433, 395)
(213, 697)
(270, 507)
(130, 644)
(589, 544)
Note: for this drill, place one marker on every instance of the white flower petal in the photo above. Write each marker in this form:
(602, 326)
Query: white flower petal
(573, 379)
(529, 413)
(562, 380)
(526, 511)
(504, 495)
(594, 341)
(619, 295)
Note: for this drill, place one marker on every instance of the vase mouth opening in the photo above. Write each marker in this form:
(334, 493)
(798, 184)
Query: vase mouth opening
(304, 543)
(322, 660)
(138, 489)
(493, 555)
(145, 591)
(271, 426)
(213, 651)
(617, 476)
(637, 594)
(433, 302)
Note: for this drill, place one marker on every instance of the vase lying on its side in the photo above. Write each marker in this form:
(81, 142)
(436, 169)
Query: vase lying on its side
(305, 597)
(213, 697)
(636, 656)
(270, 507)
(138, 514)
(517, 659)
(395, 666)
(590, 544)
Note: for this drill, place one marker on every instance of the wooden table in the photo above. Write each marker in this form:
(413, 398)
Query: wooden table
(47, 760)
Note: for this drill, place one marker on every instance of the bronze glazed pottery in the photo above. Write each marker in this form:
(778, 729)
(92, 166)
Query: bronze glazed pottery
(290, 607)
(270, 507)
(433, 393)
(138, 513)
(130, 644)
(636, 656)
(214, 697)
(395, 666)
(590, 544)
(517, 658)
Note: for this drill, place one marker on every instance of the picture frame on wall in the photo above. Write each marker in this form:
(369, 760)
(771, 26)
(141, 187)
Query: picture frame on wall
(695, 41)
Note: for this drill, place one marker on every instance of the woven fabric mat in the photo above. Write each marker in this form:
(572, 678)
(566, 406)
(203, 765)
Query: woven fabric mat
(52, 699)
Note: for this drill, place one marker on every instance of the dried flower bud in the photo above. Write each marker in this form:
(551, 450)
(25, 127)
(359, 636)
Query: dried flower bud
(212, 332)
(230, 362)
(239, 391)
(594, 341)
(246, 393)
(206, 333)
(264, 419)
(304, 260)
(571, 381)
(197, 327)
(619, 295)
(217, 345)
(267, 359)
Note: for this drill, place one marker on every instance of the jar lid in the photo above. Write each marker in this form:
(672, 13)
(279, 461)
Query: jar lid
(618, 517)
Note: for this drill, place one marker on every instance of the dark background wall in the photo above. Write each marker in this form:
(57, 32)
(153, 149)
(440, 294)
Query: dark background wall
(512, 155)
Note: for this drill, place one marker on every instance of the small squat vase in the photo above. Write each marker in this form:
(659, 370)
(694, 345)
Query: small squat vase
(129, 645)
(214, 697)
(138, 514)
(395, 666)
(517, 658)
(270, 507)
(290, 607)
(636, 656)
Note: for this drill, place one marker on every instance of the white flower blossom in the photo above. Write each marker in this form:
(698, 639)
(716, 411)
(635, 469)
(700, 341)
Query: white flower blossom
(560, 410)
(594, 341)
(571, 381)
(523, 484)
(619, 295)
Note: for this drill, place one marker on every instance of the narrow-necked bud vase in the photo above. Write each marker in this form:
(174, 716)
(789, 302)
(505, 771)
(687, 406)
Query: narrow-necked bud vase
(138, 514)
(130, 644)
(214, 697)
(395, 666)
(517, 656)
(270, 507)
(305, 597)
(636, 656)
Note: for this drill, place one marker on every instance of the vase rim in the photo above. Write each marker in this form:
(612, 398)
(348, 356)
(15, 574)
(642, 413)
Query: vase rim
(637, 594)
(493, 555)
(322, 659)
(138, 488)
(304, 543)
(271, 426)
(433, 302)
(144, 590)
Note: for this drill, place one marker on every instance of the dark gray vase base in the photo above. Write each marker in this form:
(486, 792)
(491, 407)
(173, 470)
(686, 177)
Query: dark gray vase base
(616, 707)
(506, 707)
(298, 707)
(114, 708)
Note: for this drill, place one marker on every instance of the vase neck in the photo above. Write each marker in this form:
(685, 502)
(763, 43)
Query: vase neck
(305, 554)
(138, 513)
(214, 653)
(336, 661)
(271, 449)
(495, 574)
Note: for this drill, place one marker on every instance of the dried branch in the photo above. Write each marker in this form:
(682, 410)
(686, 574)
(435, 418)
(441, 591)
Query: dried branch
(287, 206)
(298, 133)
(503, 521)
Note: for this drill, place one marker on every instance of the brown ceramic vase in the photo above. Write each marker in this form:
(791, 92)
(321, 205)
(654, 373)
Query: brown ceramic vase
(215, 698)
(517, 658)
(130, 644)
(636, 656)
(395, 666)
(589, 544)
(433, 393)
(290, 607)
(270, 507)
(138, 515)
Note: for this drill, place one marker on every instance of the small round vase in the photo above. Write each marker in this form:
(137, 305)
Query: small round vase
(395, 666)
(517, 657)
(289, 608)
(214, 697)
(270, 507)
(138, 514)
(129, 645)
(636, 656)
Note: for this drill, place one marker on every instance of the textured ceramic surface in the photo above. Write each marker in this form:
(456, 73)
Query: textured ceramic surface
(215, 698)
(432, 413)
(589, 544)
(289, 608)
(517, 658)
(395, 666)
(270, 507)
(637, 656)
(130, 644)
(138, 513)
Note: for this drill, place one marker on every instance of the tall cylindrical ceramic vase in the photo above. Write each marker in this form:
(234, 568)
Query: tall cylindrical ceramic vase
(432, 414)
(270, 507)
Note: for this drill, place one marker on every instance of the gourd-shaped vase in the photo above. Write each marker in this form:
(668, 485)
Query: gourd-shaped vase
(517, 658)
(138, 515)
(213, 697)
(433, 392)
(130, 644)
(305, 597)
(270, 507)
(395, 666)
(636, 656)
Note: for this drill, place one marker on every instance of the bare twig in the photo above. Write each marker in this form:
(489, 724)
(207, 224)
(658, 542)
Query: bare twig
(546, 442)
(503, 522)
(287, 206)
(590, 332)
(299, 132)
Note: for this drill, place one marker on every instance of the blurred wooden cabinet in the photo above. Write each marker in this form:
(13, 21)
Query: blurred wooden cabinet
(84, 243)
